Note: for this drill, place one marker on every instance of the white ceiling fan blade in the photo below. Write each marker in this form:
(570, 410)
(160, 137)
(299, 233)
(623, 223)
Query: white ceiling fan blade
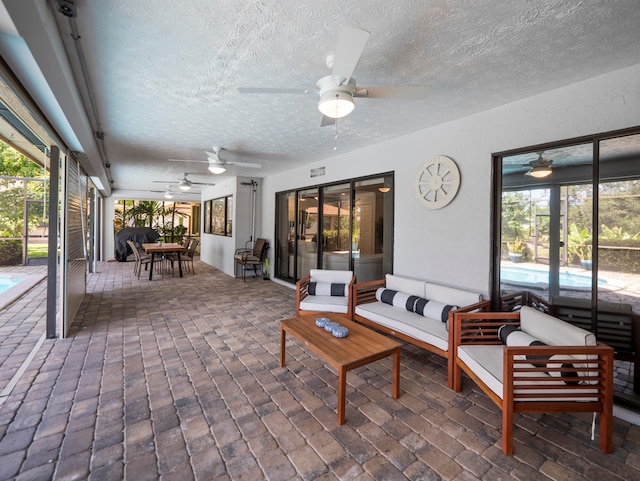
(416, 92)
(251, 165)
(327, 121)
(269, 90)
(187, 160)
(164, 182)
(201, 183)
(349, 47)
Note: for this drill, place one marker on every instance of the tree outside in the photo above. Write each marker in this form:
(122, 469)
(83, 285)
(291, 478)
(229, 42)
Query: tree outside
(166, 218)
(20, 180)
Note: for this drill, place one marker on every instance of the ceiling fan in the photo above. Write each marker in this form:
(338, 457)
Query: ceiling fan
(183, 183)
(169, 192)
(216, 164)
(338, 89)
(539, 168)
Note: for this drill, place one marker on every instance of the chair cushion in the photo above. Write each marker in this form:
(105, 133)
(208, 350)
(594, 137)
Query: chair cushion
(338, 277)
(325, 304)
(328, 289)
(553, 331)
(247, 258)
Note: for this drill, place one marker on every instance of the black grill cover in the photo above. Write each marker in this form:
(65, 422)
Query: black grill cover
(139, 235)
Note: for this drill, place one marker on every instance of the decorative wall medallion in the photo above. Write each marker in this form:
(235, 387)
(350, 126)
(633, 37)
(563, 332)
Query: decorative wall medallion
(437, 182)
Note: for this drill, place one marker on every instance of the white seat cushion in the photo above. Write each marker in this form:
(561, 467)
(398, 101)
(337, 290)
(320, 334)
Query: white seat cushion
(431, 331)
(325, 304)
(487, 363)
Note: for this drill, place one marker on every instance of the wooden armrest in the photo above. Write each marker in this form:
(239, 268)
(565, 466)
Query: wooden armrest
(365, 292)
(479, 327)
(302, 291)
(480, 306)
(577, 378)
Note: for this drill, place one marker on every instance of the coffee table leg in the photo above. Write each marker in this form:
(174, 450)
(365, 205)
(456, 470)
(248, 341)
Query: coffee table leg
(396, 373)
(342, 391)
(283, 343)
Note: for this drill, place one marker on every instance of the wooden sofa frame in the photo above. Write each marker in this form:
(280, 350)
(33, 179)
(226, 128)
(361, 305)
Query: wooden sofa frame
(302, 291)
(365, 292)
(482, 329)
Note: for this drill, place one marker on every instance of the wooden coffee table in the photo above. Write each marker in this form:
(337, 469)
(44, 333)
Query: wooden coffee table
(360, 347)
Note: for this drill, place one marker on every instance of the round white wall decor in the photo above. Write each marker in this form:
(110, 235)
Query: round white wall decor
(437, 182)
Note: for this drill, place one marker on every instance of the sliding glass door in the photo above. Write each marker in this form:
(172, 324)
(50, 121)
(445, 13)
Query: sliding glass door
(342, 226)
(567, 239)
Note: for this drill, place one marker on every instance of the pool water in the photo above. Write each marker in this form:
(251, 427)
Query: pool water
(524, 276)
(7, 283)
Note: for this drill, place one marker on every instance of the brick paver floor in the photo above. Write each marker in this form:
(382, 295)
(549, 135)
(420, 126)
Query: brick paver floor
(178, 379)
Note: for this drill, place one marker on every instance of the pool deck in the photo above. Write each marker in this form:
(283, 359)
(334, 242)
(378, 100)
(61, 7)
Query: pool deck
(29, 280)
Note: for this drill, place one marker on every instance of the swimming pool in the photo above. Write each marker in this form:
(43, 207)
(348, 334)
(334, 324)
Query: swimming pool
(8, 281)
(14, 284)
(521, 276)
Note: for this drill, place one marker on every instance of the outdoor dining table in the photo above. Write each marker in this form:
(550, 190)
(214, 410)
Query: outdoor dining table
(163, 248)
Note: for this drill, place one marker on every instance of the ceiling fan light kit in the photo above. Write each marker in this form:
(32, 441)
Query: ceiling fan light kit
(168, 195)
(336, 104)
(540, 168)
(184, 184)
(216, 168)
(539, 172)
(336, 96)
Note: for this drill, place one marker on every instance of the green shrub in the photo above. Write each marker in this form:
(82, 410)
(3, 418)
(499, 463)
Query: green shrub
(10, 252)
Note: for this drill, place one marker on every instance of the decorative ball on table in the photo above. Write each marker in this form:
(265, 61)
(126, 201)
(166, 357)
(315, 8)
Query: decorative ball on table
(322, 321)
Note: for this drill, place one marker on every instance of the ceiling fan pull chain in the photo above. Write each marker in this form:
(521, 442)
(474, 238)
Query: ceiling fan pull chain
(335, 138)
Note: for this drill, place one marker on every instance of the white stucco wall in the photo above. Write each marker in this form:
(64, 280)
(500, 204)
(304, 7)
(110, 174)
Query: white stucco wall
(452, 245)
(217, 250)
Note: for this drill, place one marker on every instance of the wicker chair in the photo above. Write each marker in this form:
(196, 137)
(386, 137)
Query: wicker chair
(251, 258)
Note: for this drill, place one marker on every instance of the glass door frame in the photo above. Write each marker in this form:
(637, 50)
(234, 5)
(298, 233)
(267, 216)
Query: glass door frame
(496, 209)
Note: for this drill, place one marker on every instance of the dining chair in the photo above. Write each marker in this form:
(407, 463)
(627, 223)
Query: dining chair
(187, 256)
(141, 259)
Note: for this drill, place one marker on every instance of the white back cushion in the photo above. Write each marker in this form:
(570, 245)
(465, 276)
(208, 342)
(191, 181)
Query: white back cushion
(323, 275)
(553, 331)
(404, 284)
(450, 295)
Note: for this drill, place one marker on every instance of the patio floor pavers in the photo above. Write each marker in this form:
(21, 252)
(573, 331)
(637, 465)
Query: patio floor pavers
(180, 379)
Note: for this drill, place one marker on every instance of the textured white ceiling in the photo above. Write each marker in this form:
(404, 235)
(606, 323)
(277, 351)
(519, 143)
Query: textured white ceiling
(165, 74)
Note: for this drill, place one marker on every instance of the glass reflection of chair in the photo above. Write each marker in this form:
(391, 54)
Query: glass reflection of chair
(251, 258)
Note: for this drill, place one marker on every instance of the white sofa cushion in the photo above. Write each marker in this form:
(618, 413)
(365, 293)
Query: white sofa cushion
(450, 295)
(325, 304)
(404, 284)
(431, 331)
(553, 331)
(327, 276)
